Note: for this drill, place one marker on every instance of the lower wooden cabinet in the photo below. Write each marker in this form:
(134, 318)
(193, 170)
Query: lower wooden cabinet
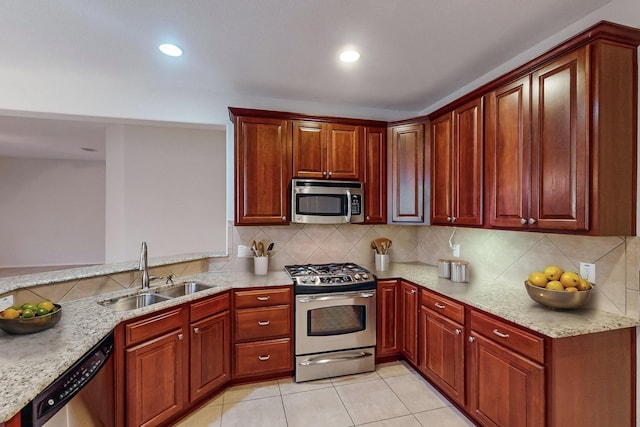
(263, 325)
(409, 320)
(173, 358)
(441, 344)
(388, 313)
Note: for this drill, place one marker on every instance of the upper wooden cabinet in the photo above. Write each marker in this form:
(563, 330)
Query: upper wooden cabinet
(560, 144)
(456, 166)
(407, 172)
(326, 150)
(262, 170)
(375, 175)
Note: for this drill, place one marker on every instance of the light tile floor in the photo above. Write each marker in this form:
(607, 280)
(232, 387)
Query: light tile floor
(392, 396)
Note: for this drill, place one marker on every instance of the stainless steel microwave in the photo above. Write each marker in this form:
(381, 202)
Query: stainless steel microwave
(317, 201)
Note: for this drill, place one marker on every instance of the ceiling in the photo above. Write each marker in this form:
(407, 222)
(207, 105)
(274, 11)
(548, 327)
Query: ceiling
(414, 53)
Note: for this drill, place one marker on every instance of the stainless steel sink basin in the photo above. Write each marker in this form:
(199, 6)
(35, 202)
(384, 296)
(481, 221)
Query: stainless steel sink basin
(133, 301)
(186, 288)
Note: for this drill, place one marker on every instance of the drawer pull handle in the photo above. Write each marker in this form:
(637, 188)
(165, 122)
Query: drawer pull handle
(500, 334)
(458, 331)
(180, 337)
(264, 358)
(263, 298)
(265, 323)
(440, 306)
(196, 330)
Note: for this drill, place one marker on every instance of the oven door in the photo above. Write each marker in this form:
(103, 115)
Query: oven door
(335, 321)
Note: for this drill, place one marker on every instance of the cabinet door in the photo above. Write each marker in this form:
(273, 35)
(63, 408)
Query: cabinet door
(442, 153)
(441, 355)
(508, 154)
(409, 316)
(467, 164)
(343, 151)
(506, 389)
(407, 173)
(263, 171)
(388, 337)
(560, 156)
(375, 176)
(210, 354)
(156, 379)
(309, 150)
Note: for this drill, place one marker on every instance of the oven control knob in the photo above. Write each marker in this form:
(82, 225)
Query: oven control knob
(356, 276)
(365, 276)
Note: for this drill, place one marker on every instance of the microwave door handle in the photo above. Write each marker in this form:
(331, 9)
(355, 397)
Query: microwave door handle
(348, 217)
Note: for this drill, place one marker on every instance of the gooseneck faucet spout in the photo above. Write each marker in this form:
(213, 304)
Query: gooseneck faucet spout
(143, 266)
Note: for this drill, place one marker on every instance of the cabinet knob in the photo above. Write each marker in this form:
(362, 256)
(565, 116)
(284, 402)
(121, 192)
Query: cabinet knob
(330, 173)
(196, 330)
(368, 217)
(471, 339)
(324, 173)
(264, 358)
(265, 323)
(449, 219)
(523, 221)
(458, 332)
(284, 218)
(180, 337)
(532, 221)
(413, 291)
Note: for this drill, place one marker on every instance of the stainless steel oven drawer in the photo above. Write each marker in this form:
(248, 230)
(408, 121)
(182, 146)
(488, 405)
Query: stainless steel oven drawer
(333, 364)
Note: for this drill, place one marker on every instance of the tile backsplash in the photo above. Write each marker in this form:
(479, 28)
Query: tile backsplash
(497, 257)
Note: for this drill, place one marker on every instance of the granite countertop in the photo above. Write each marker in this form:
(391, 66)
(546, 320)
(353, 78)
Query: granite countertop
(31, 362)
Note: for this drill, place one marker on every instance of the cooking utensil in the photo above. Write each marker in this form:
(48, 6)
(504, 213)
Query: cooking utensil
(382, 245)
(374, 246)
(254, 248)
(260, 249)
(269, 248)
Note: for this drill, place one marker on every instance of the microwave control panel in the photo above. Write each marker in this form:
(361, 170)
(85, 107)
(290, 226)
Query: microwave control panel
(356, 204)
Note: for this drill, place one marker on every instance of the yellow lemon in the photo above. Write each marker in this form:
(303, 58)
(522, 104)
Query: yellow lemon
(538, 279)
(553, 272)
(569, 279)
(555, 285)
(10, 313)
(47, 305)
(583, 285)
(571, 289)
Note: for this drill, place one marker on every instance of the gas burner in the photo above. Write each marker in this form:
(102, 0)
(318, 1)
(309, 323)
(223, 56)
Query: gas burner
(320, 278)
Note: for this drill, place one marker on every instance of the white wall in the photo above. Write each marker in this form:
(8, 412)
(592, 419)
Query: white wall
(51, 212)
(165, 186)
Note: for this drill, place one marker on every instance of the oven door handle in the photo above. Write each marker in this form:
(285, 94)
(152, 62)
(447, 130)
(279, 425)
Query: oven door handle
(331, 359)
(335, 297)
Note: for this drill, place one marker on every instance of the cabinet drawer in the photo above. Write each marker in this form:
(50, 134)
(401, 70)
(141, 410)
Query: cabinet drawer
(509, 336)
(209, 306)
(263, 357)
(443, 306)
(262, 323)
(154, 326)
(262, 297)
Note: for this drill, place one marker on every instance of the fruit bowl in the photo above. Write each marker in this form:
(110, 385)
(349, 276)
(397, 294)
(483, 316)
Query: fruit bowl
(20, 326)
(558, 299)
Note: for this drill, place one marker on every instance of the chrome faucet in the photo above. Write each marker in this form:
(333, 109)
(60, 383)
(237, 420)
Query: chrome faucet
(143, 266)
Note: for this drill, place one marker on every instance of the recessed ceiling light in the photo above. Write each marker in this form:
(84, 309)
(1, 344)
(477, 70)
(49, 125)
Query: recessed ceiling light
(170, 49)
(349, 56)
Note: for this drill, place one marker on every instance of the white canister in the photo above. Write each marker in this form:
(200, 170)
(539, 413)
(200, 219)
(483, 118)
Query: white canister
(260, 265)
(382, 262)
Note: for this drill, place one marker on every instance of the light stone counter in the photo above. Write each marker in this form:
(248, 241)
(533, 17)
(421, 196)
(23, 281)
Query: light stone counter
(29, 363)
(512, 303)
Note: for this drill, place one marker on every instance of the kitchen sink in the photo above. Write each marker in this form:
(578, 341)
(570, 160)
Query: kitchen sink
(186, 288)
(134, 301)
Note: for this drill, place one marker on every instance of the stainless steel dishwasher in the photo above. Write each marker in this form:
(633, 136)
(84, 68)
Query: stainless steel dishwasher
(94, 368)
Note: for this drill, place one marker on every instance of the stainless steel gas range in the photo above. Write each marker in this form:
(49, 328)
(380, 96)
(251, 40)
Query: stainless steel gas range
(335, 327)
